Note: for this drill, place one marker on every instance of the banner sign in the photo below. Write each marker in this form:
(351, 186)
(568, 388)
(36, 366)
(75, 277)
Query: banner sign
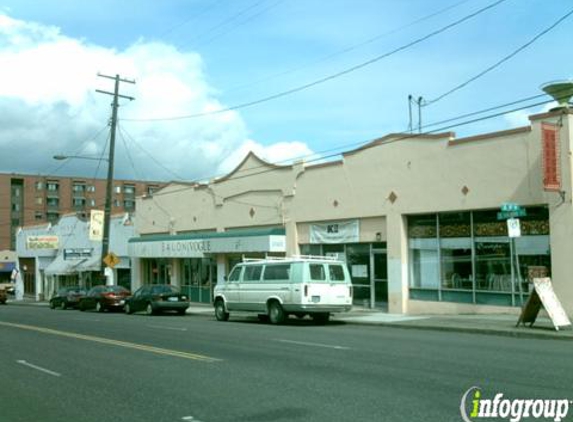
(96, 225)
(551, 157)
(337, 232)
(42, 242)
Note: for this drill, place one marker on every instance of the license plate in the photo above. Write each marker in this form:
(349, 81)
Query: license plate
(173, 299)
(315, 299)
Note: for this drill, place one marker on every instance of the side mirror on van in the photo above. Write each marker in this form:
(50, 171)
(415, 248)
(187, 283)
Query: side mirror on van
(224, 278)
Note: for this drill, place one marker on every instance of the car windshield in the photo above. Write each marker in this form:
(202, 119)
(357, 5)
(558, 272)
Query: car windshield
(163, 289)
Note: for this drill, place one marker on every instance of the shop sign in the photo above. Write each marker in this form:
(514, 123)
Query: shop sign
(77, 253)
(335, 232)
(42, 242)
(96, 225)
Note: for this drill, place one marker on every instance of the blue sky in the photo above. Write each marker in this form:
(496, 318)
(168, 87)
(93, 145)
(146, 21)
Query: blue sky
(194, 56)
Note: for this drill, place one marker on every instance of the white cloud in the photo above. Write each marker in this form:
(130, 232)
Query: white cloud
(49, 103)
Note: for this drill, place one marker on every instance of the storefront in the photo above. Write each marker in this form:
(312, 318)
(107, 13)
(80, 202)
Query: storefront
(194, 262)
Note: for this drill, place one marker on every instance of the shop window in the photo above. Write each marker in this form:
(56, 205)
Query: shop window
(423, 247)
(456, 250)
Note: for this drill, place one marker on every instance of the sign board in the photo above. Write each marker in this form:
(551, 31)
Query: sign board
(513, 227)
(96, 225)
(111, 260)
(544, 295)
(42, 242)
(77, 253)
(335, 232)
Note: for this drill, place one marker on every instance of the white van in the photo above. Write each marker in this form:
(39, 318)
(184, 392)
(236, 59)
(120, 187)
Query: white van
(279, 287)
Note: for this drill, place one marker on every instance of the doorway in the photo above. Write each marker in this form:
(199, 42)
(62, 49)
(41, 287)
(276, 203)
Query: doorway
(379, 279)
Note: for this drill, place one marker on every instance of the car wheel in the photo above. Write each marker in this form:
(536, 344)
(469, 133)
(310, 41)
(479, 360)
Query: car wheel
(52, 304)
(99, 307)
(220, 312)
(321, 318)
(149, 310)
(127, 309)
(63, 305)
(276, 313)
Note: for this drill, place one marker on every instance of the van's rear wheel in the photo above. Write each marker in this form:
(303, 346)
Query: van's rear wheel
(276, 313)
(220, 312)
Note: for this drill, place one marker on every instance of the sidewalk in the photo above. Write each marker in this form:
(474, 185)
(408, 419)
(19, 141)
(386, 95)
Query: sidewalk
(493, 324)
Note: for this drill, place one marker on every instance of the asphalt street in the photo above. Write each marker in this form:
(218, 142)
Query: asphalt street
(87, 366)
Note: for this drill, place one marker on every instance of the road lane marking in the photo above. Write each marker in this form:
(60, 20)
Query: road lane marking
(163, 327)
(38, 368)
(304, 343)
(128, 345)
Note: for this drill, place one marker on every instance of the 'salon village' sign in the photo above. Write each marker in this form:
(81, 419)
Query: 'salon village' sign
(198, 248)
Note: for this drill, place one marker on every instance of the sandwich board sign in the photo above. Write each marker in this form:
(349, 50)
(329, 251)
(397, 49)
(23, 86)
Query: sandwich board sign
(543, 295)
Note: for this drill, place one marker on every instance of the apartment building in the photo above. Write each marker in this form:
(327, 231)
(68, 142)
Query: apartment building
(29, 200)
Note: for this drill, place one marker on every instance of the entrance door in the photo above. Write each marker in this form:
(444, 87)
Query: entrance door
(380, 279)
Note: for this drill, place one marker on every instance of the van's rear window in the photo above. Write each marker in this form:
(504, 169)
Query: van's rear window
(317, 272)
(336, 272)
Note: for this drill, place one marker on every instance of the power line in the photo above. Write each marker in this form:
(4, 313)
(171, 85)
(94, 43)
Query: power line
(349, 48)
(265, 169)
(330, 77)
(500, 62)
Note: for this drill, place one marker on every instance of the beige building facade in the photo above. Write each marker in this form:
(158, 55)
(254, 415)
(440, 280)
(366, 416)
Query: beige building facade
(415, 217)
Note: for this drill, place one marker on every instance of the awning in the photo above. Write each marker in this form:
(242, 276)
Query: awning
(6, 267)
(60, 266)
(200, 245)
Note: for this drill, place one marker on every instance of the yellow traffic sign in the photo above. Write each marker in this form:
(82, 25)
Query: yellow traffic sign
(111, 260)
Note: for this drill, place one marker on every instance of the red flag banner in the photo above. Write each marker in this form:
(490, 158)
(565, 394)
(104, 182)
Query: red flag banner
(551, 157)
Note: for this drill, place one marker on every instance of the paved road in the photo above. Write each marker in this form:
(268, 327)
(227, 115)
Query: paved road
(70, 365)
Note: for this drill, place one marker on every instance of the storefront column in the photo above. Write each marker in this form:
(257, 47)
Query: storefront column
(136, 273)
(38, 281)
(175, 272)
(292, 247)
(221, 268)
(397, 264)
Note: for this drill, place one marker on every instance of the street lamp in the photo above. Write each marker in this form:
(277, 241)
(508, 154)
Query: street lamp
(108, 198)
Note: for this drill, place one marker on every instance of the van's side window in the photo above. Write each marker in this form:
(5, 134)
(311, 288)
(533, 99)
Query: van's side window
(253, 273)
(234, 276)
(276, 272)
(336, 272)
(317, 272)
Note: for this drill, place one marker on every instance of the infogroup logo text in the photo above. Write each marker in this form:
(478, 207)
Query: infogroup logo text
(513, 410)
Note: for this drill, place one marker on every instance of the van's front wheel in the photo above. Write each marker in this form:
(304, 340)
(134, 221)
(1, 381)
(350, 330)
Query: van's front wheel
(220, 312)
(276, 313)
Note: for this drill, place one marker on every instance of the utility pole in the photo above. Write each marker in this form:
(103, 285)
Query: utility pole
(109, 185)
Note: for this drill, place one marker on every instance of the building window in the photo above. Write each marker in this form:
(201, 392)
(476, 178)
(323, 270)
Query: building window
(79, 202)
(129, 190)
(117, 189)
(39, 185)
(52, 186)
(16, 207)
(468, 256)
(91, 188)
(79, 187)
(151, 189)
(129, 205)
(92, 202)
(116, 203)
(52, 217)
(39, 200)
(38, 216)
(53, 202)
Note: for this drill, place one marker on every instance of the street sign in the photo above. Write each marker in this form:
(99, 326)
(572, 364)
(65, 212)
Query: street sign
(511, 210)
(111, 260)
(513, 227)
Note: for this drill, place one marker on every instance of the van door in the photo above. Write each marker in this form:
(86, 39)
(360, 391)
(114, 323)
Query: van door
(339, 284)
(231, 289)
(252, 290)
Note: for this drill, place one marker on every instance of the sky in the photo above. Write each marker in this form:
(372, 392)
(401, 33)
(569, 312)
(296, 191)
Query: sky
(320, 77)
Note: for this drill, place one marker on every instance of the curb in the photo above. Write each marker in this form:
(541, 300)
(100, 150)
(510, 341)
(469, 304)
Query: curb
(468, 330)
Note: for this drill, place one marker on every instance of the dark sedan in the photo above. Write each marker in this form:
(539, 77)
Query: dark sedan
(157, 298)
(103, 298)
(67, 297)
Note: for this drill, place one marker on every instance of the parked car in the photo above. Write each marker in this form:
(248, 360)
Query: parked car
(157, 298)
(103, 298)
(67, 297)
(277, 288)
